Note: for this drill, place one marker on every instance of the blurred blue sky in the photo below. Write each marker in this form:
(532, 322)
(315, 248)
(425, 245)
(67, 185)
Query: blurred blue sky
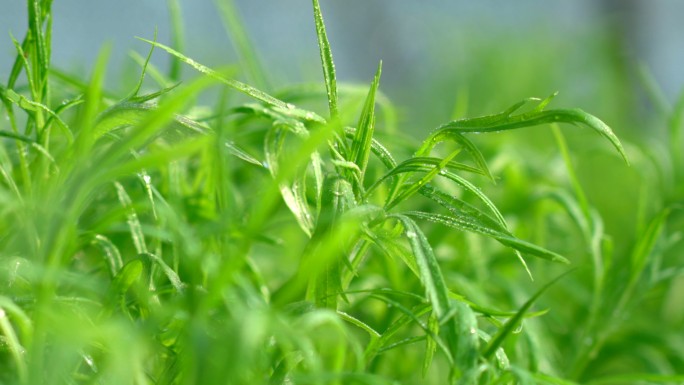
(414, 39)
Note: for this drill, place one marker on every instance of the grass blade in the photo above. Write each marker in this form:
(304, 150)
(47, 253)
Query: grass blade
(430, 343)
(457, 207)
(11, 340)
(337, 199)
(459, 138)
(430, 273)
(111, 253)
(646, 244)
(423, 164)
(362, 142)
(177, 33)
(250, 63)
(412, 188)
(360, 324)
(134, 225)
(237, 85)
(326, 60)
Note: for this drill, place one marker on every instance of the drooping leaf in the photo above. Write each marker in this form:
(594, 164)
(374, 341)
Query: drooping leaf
(241, 87)
(506, 239)
(458, 207)
(508, 121)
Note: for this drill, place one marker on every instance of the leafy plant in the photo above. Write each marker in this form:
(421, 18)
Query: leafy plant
(264, 242)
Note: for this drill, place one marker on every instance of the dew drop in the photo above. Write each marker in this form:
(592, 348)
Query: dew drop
(518, 329)
(473, 331)
(411, 234)
(290, 106)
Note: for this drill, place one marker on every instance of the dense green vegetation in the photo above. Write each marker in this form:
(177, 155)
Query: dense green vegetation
(300, 236)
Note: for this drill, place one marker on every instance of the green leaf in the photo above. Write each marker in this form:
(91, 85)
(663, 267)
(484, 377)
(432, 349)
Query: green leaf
(143, 71)
(93, 100)
(326, 60)
(31, 106)
(360, 324)
(172, 276)
(467, 347)
(422, 164)
(415, 186)
(130, 273)
(430, 343)
(134, 225)
(646, 244)
(459, 138)
(393, 249)
(458, 208)
(507, 121)
(430, 273)
(11, 340)
(337, 199)
(241, 87)
(362, 142)
(111, 253)
(408, 315)
(148, 121)
(177, 32)
(237, 33)
(468, 224)
(514, 321)
(293, 195)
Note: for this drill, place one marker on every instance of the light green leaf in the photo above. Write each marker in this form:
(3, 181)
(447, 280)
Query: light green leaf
(646, 244)
(326, 60)
(241, 87)
(362, 142)
(111, 253)
(459, 138)
(506, 239)
(237, 33)
(507, 121)
(430, 273)
(134, 225)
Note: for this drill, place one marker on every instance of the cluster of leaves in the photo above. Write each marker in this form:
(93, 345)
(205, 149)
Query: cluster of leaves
(146, 244)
